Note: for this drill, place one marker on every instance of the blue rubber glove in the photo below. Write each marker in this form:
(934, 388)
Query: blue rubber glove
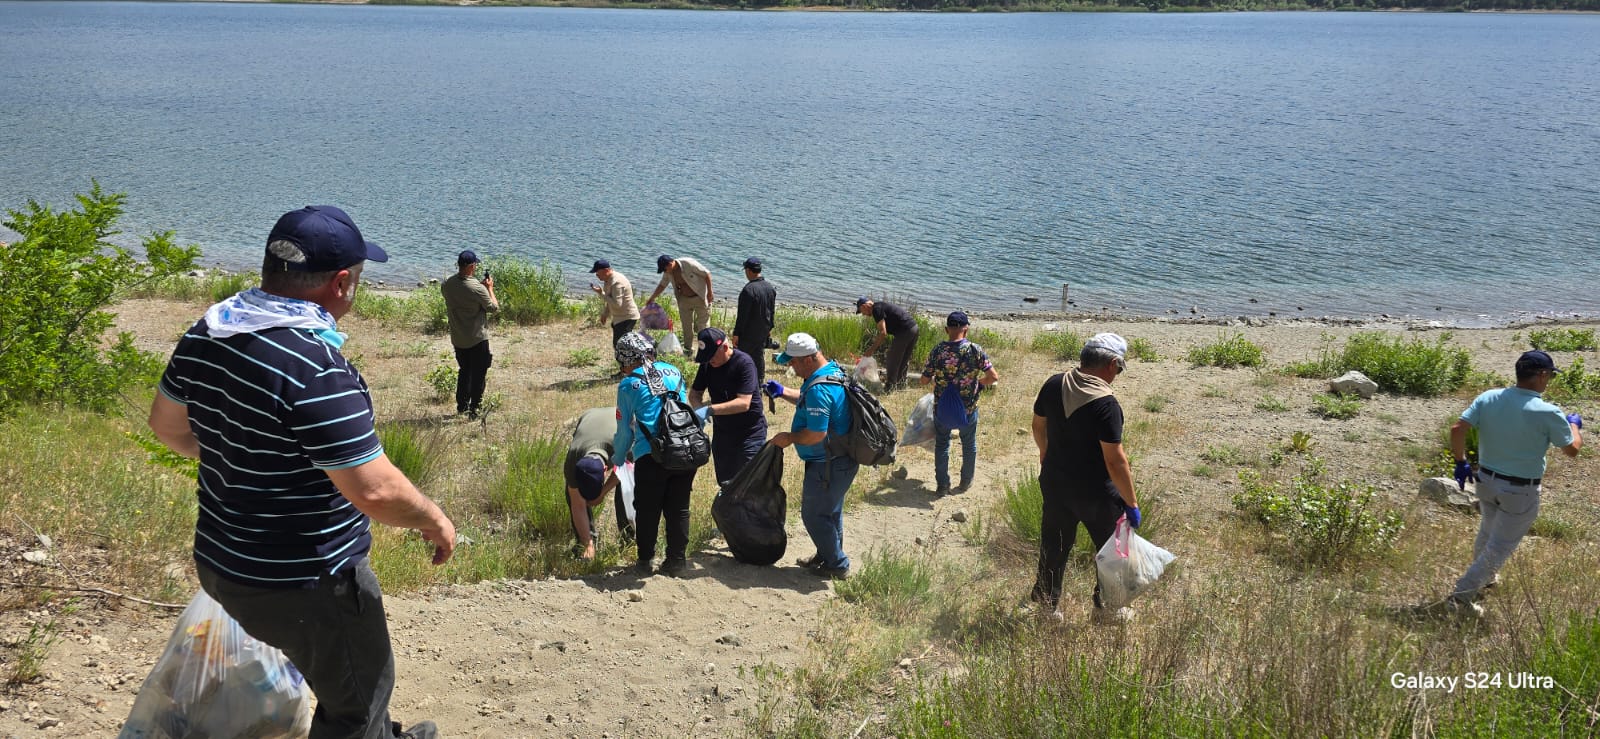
(1464, 473)
(1132, 513)
(702, 412)
(1575, 420)
(773, 388)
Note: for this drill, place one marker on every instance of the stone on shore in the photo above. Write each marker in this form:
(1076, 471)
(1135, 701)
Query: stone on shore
(1444, 490)
(1353, 382)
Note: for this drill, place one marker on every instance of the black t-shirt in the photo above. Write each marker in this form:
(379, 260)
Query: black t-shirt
(735, 377)
(1073, 461)
(894, 318)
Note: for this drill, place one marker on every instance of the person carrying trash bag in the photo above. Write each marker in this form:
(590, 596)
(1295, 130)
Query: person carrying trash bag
(822, 411)
(1084, 474)
(750, 509)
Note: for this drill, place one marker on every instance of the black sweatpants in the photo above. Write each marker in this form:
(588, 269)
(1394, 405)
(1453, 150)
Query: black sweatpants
(474, 362)
(899, 358)
(659, 493)
(1097, 511)
(621, 329)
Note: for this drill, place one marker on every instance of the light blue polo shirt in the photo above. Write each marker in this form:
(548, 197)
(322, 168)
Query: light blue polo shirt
(823, 407)
(1515, 427)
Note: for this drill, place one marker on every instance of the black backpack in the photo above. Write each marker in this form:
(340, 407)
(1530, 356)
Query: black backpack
(872, 436)
(678, 441)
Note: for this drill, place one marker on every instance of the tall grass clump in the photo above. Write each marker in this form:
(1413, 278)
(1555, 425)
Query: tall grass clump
(1060, 345)
(1414, 367)
(1323, 525)
(1574, 383)
(1227, 351)
(418, 451)
(422, 307)
(1563, 339)
(533, 491)
(528, 293)
(838, 336)
(209, 288)
(991, 339)
(1141, 349)
(1023, 507)
(893, 584)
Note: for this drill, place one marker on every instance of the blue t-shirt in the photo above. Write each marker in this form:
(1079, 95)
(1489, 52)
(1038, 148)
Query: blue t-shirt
(823, 407)
(1515, 427)
(637, 406)
(272, 410)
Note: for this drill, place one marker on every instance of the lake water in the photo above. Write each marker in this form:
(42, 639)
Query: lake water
(1436, 165)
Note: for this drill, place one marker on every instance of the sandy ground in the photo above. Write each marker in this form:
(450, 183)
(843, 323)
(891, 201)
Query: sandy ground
(615, 655)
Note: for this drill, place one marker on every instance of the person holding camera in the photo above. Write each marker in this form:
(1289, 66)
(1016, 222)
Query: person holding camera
(468, 302)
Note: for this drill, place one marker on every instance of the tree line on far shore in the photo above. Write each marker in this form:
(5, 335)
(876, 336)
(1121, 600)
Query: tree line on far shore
(1062, 5)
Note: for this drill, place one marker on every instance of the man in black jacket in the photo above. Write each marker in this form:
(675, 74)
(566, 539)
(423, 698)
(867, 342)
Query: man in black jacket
(752, 327)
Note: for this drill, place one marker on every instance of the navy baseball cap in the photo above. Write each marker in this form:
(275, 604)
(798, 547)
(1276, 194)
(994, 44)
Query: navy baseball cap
(711, 339)
(753, 263)
(957, 318)
(599, 264)
(328, 240)
(1535, 361)
(861, 301)
(591, 476)
(467, 257)
(662, 263)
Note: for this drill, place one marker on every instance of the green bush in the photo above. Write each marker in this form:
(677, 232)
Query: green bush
(585, 357)
(528, 293)
(1414, 367)
(1272, 403)
(1140, 348)
(211, 288)
(533, 490)
(893, 584)
(1573, 383)
(1323, 525)
(839, 336)
(55, 286)
(423, 307)
(1336, 405)
(1563, 340)
(991, 339)
(1062, 345)
(1227, 351)
(418, 452)
(442, 379)
(1024, 507)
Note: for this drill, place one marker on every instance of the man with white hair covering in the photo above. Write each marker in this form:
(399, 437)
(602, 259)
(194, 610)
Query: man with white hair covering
(1084, 473)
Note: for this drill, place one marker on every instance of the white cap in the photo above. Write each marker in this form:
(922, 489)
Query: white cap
(798, 345)
(1109, 342)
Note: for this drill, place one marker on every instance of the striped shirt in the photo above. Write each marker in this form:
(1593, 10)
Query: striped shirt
(272, 410)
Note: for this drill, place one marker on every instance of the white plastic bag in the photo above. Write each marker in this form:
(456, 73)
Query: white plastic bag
(919, 426)
(214, 680)
(1128, 565)
(669, 344)
(867, 371)
(624, 473)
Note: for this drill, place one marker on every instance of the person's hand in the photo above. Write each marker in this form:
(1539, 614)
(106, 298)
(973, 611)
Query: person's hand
(651, 301)
(595, 288)
(1132, 512)
(781, 440)
(1464, 473)
(1575, 420)
(702, 412)
(488, 282)
(443, 539)
(773, 388)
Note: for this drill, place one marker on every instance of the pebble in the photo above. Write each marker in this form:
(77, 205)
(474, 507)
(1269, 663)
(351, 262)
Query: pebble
(959, 516)
(635, 596)
(709, 668)
(731, 639)
(49, 722)
(36, 556)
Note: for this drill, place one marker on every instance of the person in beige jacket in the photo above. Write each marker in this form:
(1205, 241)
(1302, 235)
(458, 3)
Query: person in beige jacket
(691, 286)
(617, 293)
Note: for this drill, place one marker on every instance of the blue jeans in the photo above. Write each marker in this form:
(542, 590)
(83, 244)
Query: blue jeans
(969, 451)
(822, 507)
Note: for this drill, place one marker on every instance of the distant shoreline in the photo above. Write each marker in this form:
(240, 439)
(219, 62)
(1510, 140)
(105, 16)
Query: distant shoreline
(1020, 7)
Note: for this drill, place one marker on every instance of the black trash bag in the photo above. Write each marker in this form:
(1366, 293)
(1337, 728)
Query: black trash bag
(750, 509)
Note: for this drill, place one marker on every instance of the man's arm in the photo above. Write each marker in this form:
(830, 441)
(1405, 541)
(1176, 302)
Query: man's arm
(883, 333)
(736, 404)
(1121, 471)
(695, 396)
(169, 419)
(1571, 450)
(708, 287)
(990, 377)
(1458, 440)
(1041, 436)
(662, 285)
(490, 303)
(380, 490)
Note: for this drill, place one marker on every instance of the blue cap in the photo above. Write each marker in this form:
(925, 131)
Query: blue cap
(599, 264)
(327, 239)
(753, 263)
(1535, 361)
(591, 476)
(956, 318)
(861, 301)
(467, 257)
(662, 263)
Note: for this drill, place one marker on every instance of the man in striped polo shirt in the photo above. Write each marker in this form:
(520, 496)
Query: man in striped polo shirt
(292, 473)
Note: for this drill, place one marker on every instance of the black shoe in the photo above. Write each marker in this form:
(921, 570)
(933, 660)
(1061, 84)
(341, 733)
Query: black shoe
(674, 567)
(419, 730)
(811, 562)
(831, 573)
(963, 487)
(942, 491)
(643, 568)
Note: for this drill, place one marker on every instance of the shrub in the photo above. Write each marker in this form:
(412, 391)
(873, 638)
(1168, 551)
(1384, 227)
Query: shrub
(423, 307)
(1140, 349)
(1272, 403)
(893, 584)
(1336, 405)
(1574, 382)
(418, 452)
(583, 357)
(1227, 351)
(1563, 340)
(1062, 345)
(1299, 442)
(528, 293)
(1323, 525)
(533, 491)
(55, 285)
(991, 339)
(1414, 367)
(1155, 403)
(442, 379)
(1024, 507)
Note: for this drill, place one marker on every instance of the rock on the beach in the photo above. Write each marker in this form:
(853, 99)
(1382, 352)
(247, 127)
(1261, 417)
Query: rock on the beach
(960, 516)
(1353, 382)
(1443, 490)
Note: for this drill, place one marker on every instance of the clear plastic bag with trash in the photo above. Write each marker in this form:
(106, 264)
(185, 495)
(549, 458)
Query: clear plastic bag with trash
(867, 372)
(1128, 565)
(919, 425)
(669, 344)
(214, 680)
(624, 473)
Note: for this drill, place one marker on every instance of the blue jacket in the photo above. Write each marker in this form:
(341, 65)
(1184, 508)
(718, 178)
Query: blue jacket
(636, 407)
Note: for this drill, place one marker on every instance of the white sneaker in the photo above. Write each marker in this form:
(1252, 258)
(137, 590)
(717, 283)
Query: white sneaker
(1451, 607)
(1056, 617)
(1113, 616)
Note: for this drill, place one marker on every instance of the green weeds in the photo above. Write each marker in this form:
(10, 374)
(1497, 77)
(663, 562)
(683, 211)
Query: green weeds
(1336, 406)
(1414, 367)
(1061, 345)
(1563, 340)
(1227, 351)
(1323, 525)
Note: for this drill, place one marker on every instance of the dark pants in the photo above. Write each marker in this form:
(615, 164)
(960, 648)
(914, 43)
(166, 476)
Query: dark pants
(757, 349)
(733, 446)
(899, 358)
(335, 634)
(659, 493)
(621, 329)
(822, 507)
(474, 362)
(1098, 512)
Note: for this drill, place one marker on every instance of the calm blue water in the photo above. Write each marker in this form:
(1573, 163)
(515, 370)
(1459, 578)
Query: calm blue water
(1350, 164)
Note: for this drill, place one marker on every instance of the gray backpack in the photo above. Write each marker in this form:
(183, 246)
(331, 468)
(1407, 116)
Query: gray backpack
(872, 436)
(678, 441)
